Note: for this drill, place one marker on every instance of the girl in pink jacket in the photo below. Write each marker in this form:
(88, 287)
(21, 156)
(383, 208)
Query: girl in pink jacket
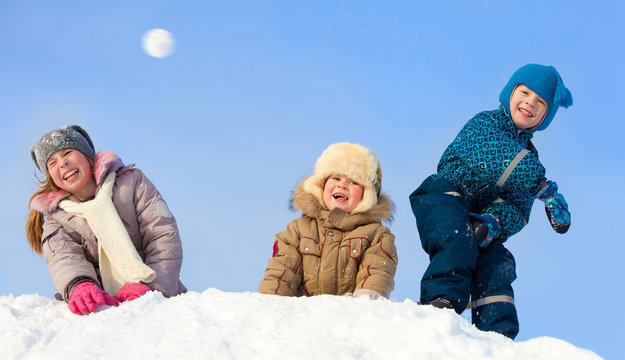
(104, 229)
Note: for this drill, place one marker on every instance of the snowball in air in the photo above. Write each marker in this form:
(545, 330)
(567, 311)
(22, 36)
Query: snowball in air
(158, 43)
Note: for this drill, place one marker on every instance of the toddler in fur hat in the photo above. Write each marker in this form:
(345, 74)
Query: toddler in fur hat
(339, 245)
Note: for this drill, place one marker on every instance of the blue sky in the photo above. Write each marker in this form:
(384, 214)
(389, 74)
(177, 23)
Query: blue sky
(237, 115)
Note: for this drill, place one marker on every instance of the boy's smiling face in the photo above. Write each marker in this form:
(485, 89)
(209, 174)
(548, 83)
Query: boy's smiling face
(342, 192)
(527, 108)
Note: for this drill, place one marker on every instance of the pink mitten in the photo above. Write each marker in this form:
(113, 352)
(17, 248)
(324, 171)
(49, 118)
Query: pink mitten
(131, 291)
(87, 296)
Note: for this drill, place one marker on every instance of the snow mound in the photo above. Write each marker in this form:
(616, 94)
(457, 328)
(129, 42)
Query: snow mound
(220, 325)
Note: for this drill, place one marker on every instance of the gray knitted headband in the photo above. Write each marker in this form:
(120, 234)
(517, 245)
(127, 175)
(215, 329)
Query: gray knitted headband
(67, 137)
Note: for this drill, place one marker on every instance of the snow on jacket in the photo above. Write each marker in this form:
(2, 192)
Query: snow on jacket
(332, 252)
(478, 157)
(70, 247)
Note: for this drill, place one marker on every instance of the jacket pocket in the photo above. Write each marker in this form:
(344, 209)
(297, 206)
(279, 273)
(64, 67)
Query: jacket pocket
(310, 262)
(308, 246)
(350, 258)
(357, 246)
(53, 241)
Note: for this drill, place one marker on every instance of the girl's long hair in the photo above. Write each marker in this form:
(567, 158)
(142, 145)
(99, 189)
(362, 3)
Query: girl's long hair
(34, 222)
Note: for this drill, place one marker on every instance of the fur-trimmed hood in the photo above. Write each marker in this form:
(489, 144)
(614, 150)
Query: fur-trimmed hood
(103, 163)
(332, 252)
(310, 206)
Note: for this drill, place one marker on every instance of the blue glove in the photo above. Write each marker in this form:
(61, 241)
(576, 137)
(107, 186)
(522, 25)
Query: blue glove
(485, 228)
(556, 207)
(547, 189)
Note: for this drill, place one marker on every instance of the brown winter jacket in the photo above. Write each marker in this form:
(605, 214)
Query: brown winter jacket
(332, 252)
(70, 246)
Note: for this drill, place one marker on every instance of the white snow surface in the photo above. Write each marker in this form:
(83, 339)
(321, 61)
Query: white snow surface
(220, 325)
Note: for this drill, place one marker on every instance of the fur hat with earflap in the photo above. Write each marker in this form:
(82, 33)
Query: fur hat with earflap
(354, 161)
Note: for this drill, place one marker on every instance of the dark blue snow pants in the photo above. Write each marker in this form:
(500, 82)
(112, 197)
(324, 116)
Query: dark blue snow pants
(459, 269)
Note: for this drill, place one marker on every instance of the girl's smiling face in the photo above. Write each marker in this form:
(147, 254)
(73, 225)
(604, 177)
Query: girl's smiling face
(71, 171)
(342, 192)
(527, 108)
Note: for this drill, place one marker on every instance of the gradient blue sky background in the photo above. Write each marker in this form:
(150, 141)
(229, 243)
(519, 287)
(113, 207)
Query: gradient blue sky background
(255, 91)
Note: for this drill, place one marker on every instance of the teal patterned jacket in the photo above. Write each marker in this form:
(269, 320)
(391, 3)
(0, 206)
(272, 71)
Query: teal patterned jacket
(477, 158)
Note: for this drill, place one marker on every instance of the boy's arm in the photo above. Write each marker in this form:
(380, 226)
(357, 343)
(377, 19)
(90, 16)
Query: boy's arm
(512, 211)
(378, 265)
(283, 274)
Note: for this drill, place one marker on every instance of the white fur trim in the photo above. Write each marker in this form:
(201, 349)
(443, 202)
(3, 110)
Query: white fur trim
(120, 263)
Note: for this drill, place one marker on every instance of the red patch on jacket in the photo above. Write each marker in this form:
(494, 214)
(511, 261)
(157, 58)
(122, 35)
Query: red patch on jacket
(275, 249)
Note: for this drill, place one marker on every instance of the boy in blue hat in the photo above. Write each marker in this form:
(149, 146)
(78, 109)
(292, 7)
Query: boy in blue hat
(487, 181)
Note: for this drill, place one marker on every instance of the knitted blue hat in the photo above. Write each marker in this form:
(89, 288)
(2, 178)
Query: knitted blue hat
(544, 81)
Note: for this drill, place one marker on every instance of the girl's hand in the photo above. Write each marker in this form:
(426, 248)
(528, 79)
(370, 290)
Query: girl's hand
(87, 296)
(131, 291)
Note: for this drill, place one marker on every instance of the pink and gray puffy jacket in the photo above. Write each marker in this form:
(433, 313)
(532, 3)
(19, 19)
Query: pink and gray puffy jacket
(70, 246)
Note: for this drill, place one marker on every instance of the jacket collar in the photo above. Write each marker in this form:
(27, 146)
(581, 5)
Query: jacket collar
(103, 163)
(522, 134)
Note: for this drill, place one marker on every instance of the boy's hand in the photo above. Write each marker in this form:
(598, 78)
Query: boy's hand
(556, 207)
(547, 189)
(485, 228)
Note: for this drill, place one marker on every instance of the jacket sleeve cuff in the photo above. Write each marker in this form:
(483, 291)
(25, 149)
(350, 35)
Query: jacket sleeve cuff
(73, 283)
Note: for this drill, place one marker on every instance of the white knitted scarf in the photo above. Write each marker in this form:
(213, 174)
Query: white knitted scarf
(120, 263)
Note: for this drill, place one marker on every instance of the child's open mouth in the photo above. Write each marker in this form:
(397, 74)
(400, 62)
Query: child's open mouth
(339, 197)
(526, 113)
(70, 174)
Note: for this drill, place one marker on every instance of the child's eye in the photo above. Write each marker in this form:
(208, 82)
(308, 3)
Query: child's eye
(51, 163)
(68, 151)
